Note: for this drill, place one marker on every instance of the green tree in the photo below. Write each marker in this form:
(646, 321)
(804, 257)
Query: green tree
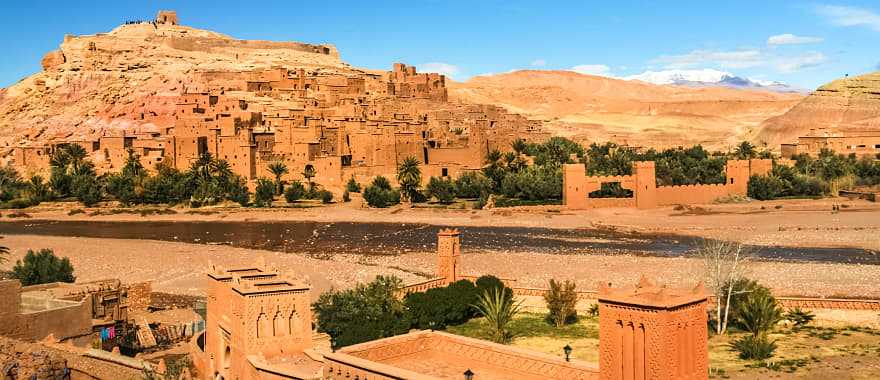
(36, 190)
(278, 169)
(294, 192)
(409, 176)
(10, 184)
(42, 267)
(363, 313)
(744, 151)
(380, 194)
(561, 301)
(759, 314)
(440, 188)
(494, 168)
(472, 185)
(765, 187)
(499, 309)
(264, 193)
(519, 146)
(440, 307)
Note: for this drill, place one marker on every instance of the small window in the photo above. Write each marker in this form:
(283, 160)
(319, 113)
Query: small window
(445, 172)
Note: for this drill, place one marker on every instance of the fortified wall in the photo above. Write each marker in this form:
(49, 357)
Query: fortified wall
(577, 186)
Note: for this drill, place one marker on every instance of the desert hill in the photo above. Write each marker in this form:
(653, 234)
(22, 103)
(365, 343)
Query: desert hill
(593, 108)
(851, 103)
(130, 78)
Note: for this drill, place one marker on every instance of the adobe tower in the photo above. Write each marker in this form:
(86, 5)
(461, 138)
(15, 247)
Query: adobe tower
(651, 332)
(448, 255)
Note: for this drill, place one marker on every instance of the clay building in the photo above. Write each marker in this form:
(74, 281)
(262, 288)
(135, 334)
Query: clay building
(342, 124)
(68, 312)
(167, 18)
(259, 327)
(578, 188)
(860, 143)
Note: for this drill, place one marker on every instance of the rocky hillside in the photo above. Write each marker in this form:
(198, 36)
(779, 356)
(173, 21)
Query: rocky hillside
(851, 103)
(130, 77)
(593, 108)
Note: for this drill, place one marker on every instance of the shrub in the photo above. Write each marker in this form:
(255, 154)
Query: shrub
(740, 292)
(472, 185)
(87, 189)
(353, 186)
(561, 302)
(363, 313)
(490, 282)
(765, 187)
(42, 267)
(440, 307)
(326, 196)
(346, 197)
(264, 193)
(294, 192)
(380, 194)
(752, 347)
(440, 188)
(238, 192)
(799, 317)
(121, 187)
(499, 309)
(593, 310)
(18, 203)
(759, 314)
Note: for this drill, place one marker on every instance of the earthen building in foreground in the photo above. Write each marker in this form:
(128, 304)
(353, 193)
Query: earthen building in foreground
(259, 327)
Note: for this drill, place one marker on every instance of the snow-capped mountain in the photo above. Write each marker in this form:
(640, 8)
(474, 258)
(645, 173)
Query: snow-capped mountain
(710, 78)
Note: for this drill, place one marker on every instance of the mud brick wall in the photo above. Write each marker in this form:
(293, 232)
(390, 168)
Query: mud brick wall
(30, 361)
(139, 296)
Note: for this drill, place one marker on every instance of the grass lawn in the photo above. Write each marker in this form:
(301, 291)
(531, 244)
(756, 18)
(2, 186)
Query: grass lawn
(811, 352)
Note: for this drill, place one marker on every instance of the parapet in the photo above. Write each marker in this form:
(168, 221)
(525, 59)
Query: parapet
(448, 232)
(648, 294)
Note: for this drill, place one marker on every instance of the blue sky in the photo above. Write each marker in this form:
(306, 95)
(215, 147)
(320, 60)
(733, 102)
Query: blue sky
(801, 43)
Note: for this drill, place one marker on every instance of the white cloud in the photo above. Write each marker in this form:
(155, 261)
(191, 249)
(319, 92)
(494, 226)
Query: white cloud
(539, 62)
(600, 70)
(447, 69)
(805, 61)
(738, 59)
(791, 39)
(850, 16)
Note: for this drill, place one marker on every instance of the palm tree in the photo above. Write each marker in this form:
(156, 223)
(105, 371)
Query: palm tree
(133, 167)
(409, 176)
(519, 146)
(278, 169)
(759, 314)
(499, 309)
(76, 155)
(309, 173)
(745, 150)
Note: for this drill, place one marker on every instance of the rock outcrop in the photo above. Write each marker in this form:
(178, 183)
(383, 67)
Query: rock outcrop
(848, 104)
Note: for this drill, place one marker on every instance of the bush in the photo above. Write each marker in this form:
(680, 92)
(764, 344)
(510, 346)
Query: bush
(326, 196)
(534, 183)
(472, 185)
(363, 313)
(561, 302)
(353, 186)
(593, 310)
(87, 189)
(741, 290)
(346, 197)
(440, 307)
(440, 188)
(18, 203)
(295, 191)
(759, 314)
(799, 317)
(380, 194)
(752, 347)
(765, 187)
(122, 188)
(238, 192)
(42, 267)
(264, 193)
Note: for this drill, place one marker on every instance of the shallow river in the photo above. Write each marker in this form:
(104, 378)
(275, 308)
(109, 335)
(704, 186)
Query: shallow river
(324, 239)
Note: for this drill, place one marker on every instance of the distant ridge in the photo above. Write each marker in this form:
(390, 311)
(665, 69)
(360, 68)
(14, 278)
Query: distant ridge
(712, 78)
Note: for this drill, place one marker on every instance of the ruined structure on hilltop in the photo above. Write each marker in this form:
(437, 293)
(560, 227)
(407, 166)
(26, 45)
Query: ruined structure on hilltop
(169, 93)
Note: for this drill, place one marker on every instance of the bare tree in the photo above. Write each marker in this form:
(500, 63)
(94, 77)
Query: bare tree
(724, 262)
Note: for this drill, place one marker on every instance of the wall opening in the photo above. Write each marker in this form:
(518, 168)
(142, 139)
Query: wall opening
(611, 190)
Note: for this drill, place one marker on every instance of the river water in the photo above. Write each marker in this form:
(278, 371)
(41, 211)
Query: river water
(326, 239)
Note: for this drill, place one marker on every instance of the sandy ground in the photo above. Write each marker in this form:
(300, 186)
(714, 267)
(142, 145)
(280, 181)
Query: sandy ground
(180, 267)
(796, 223)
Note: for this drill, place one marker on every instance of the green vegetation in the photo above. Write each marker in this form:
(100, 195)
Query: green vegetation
(42, 267)
(810, 177)
(380, 194)
(264, 193)
(363, 313)
(561, 302)
(442, 189)
(451, 305)
(352, 186)
(499, 309)
(409, 177)
(278, 169)
(294, 192)
(798, 317)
